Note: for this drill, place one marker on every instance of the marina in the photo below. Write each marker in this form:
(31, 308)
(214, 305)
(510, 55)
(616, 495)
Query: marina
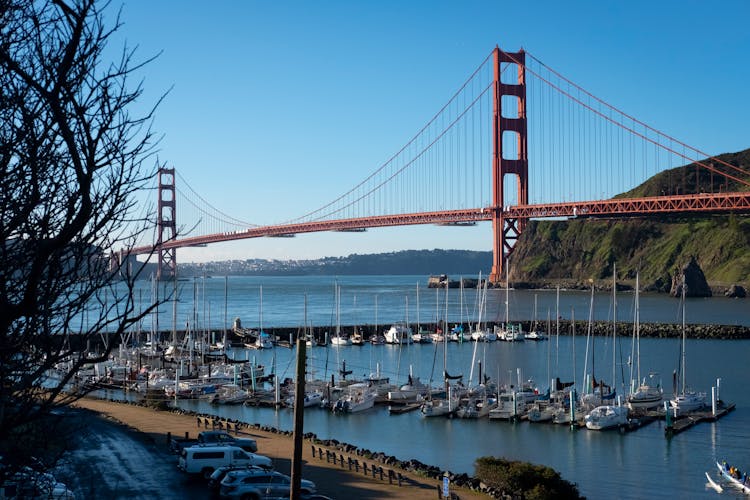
(454, 443)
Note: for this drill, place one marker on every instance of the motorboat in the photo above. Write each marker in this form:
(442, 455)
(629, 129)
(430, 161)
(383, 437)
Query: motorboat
(534, 335)
(357, 397)
(509, 406)
(541, 411)
(399, 333)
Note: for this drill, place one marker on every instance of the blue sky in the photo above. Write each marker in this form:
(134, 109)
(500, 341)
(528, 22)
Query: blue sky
(278, 107)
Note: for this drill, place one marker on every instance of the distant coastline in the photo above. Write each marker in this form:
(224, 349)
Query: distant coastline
(454, 264)
(408, 262)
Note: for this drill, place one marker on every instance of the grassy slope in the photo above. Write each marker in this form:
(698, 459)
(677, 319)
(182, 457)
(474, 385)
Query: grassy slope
(586, 248)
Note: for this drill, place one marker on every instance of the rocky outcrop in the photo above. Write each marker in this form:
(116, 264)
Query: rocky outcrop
(695, 281)
(736, 291)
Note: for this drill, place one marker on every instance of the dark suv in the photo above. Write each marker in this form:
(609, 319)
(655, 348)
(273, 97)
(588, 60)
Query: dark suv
(258, 483)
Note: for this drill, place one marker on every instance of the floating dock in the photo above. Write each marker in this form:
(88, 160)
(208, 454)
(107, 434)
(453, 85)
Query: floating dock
(679, 424)
(398, 410)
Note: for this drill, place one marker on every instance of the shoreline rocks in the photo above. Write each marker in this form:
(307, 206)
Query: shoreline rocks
(692, 277)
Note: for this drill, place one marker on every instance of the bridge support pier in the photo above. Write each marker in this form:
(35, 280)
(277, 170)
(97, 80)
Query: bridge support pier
(505, 230)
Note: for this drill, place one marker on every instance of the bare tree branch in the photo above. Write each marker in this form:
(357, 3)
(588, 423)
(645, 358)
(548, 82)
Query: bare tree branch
(73, 159)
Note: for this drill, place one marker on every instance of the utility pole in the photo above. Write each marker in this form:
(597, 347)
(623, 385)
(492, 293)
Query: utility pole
(299, 408)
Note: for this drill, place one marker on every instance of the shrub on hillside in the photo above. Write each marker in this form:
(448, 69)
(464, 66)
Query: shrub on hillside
(524, 480)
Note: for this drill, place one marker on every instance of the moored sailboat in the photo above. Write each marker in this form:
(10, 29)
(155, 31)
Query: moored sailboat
(686, 400)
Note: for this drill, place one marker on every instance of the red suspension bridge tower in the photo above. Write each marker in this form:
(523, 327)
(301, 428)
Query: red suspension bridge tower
(506, 230)
(166, 225)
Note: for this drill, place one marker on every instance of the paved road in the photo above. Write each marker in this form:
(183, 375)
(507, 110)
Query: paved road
(111, 463)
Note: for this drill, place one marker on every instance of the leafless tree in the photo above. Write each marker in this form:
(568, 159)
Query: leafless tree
(73, 157)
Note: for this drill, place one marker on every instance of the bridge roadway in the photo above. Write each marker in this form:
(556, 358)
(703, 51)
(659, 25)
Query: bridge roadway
(737, 202)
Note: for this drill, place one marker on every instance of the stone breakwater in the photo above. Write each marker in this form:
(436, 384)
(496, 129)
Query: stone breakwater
(656, 330)
(600, 328)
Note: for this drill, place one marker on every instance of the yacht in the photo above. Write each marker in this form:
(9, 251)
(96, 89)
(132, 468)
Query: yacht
(399, 333)
(357, 397)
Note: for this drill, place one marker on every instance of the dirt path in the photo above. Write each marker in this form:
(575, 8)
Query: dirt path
(124, 471)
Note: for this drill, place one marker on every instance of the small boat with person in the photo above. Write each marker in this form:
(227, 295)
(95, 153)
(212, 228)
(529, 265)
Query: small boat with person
(736, 477)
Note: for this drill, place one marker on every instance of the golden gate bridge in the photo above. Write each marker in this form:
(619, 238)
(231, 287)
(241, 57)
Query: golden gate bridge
(516, 141)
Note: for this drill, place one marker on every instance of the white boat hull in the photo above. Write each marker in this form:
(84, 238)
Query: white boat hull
(744, 488)
(685, 403)
(606, 417)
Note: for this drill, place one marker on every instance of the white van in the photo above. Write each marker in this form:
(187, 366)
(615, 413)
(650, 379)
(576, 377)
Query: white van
(204, 459)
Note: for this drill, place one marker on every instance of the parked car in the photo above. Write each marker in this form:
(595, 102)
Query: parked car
(256, 484)
(213, 438)
(214, 482)
(205, 460)
(28, 483)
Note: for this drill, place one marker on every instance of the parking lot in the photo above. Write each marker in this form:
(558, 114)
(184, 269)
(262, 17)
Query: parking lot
(111, 462)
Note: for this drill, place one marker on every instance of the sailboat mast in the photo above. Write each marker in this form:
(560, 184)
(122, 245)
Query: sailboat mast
(614, 324)
(418, 328)
(638, 326)
(445, 346)
(507, 297)
(338, 310)
(557, 331)
(573, 333)
(226, 296)
(683, 334)
(589, 338)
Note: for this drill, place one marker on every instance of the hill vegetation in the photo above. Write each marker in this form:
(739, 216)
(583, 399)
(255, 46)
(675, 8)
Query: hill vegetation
(583, 249)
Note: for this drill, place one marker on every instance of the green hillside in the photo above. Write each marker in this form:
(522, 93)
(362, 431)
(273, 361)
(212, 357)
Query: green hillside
(584, 249)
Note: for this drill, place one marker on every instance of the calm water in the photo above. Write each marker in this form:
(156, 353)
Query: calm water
(384, 299)
(639, 464)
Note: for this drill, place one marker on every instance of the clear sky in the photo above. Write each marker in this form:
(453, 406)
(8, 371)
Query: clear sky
(278, 107)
